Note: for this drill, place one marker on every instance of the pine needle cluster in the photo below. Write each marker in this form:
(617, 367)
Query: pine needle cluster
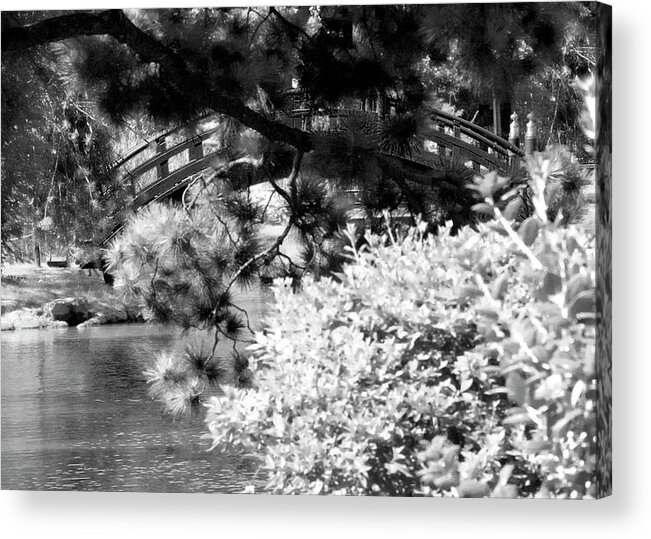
(180, 380)
(184, 265)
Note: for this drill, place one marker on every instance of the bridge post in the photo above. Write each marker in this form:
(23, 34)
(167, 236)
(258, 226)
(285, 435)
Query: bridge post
(514, 138)
(196, 149)
(132, 183)
(457, 135)
(514, 131)
(380, 107)
(162, 169)
(531, 135)
(441, 147)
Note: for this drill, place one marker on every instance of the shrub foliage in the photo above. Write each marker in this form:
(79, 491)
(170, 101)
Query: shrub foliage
(446, 365)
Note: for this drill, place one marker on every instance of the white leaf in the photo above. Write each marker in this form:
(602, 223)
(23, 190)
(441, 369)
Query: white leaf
(279, 424)
(465, 385)
(318, 487)
(576, 392)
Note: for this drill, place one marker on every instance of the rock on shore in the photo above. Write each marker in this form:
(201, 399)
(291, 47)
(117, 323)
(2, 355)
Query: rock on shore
(73, 311)
(65, 312)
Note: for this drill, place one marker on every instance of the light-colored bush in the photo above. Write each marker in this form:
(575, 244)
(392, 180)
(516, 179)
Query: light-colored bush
(448, 365)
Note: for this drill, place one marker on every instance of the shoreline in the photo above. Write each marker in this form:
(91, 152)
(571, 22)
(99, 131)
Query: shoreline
(70, 312)
(54, 297)
(45, 297)
(31, 318)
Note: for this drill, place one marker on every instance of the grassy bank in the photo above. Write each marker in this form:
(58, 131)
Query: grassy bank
(32, 287)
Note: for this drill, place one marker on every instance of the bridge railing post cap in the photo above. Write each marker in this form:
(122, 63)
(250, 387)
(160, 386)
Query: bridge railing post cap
(514, 131)
(531, 125)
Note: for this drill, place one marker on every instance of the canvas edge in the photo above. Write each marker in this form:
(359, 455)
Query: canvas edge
(603, 173)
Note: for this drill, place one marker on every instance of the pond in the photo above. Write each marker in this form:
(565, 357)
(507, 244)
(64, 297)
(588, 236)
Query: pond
(76, 414)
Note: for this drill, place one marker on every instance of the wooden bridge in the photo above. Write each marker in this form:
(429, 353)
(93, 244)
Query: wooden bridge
(164, 165)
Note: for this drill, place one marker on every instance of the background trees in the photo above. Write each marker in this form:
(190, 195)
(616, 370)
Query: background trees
(55, 150)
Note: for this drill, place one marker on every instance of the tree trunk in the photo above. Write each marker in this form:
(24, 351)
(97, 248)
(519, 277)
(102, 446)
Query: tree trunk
(497, 120)
(37, 248)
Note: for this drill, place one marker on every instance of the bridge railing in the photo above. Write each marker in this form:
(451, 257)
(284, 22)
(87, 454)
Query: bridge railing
(147, 143)
(446, 136)
(155, 169)
(160, 155)
(481, 148)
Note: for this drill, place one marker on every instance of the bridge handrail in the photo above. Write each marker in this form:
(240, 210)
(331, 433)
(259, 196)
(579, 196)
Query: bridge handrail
(473, 135)
(475, 131)
(466, 127)
(503, 150)
(162, 157)
(477, 155)
(142, 146)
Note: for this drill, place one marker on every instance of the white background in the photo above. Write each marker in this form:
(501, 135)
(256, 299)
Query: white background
(626, 514)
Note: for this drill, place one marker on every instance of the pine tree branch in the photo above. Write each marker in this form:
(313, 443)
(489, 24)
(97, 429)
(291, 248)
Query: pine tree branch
(20, 38)
(296, 167)
(291, 262)
(149, 49)
(189, 206)
(290, 25)
(281, 192)
(266, 207)
(246, 315)
(253, 260)
(298, 158)
(221, 221)
(257, 28)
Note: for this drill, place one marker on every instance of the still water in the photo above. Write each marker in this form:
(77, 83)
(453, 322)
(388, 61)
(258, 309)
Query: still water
(76, 415)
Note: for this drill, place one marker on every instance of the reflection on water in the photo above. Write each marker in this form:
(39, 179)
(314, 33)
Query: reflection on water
(76, 416)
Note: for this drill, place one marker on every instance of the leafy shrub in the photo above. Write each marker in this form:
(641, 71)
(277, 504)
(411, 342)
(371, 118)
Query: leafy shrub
(448, 365)
(569, 187)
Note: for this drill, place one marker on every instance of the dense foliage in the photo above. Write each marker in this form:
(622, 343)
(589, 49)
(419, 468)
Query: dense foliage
(184, 267)
(171, 65)
(188, 263)
(55, 151)
(432, 365)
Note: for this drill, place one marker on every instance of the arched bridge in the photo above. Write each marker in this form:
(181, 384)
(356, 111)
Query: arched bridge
(164, 165)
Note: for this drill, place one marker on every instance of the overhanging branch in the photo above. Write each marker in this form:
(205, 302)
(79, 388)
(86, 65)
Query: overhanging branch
(149, 49)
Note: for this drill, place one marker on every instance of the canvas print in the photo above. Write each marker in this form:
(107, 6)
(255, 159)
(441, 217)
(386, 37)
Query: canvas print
(352, 249)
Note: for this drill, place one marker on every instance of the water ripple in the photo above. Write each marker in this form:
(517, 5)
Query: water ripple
(75, 416)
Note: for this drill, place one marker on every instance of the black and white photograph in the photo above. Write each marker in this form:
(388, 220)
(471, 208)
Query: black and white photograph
(358, 250)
